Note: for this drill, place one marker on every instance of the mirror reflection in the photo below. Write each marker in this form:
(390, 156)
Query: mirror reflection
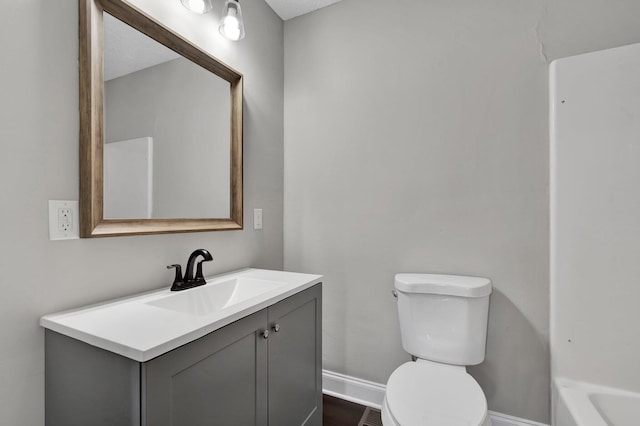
(166, 131)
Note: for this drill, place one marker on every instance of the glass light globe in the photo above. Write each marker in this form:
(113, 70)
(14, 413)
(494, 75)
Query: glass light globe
(232, 25)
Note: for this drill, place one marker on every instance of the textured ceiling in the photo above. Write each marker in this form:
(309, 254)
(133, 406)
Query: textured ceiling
(126, 50)
(288, 9)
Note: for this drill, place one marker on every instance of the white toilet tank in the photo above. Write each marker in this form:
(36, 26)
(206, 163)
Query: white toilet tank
(443, 318)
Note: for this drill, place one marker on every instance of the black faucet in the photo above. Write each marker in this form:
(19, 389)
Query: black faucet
(189, 280)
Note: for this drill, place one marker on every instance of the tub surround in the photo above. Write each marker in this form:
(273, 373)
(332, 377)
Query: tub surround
(140, 328)
(595, 237)
(586, 404)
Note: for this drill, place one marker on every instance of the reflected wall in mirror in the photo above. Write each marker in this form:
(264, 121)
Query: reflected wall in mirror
(161, 129)
(182, 112)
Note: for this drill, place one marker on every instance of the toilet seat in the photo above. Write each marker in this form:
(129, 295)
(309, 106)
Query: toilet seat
(430, 394)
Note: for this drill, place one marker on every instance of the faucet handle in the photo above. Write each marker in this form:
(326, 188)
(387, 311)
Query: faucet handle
(178, 278)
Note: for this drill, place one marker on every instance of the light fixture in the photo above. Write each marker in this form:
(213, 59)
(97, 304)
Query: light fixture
(198, 6)
(231, 25)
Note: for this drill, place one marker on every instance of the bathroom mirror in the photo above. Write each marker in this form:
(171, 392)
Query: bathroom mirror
(160, 129)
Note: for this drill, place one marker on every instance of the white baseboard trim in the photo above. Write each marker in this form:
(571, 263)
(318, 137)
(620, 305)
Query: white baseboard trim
(371, 394)
(352, 389)
(499, 419)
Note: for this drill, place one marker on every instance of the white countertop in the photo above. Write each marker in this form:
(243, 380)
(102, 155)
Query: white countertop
(137, 329)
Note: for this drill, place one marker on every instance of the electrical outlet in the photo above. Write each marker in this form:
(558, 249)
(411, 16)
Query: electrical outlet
(63, 220)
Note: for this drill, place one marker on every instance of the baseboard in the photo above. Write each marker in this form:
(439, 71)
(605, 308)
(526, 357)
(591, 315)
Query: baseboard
(352, 389)
(499, 419)
(371, 394)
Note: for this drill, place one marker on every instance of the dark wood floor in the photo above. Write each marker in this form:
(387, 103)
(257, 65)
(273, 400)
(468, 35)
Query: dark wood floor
(338, 412)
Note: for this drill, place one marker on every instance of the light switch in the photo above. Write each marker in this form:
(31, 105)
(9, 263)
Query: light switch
(257, 218)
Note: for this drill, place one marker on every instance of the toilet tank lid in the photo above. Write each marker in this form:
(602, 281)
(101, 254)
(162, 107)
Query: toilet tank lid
(452, 285)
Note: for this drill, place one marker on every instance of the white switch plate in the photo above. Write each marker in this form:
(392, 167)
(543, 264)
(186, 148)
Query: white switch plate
(257, 218)
(64, 216)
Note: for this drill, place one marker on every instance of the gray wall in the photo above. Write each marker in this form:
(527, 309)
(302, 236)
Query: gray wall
(39, 134)
(186, 109)
(416, 140)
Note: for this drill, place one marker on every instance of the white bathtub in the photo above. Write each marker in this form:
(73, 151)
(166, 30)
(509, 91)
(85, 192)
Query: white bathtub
(586, 404)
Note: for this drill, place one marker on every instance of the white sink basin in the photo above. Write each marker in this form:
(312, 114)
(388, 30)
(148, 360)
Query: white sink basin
(147, 325)
(214, 297)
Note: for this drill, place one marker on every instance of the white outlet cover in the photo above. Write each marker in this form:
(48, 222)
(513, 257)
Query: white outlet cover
(70, 230)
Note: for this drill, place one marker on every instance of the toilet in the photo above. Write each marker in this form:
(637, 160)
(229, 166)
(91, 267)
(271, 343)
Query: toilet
(443, 325)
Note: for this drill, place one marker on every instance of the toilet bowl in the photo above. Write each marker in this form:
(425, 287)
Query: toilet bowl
(424, 393)
(443, 324)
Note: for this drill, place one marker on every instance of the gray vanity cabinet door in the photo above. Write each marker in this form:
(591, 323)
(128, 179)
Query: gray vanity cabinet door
(86, 385)
(295, 360)
(219, 379)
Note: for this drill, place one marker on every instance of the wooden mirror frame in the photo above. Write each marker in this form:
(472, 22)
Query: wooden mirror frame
(91, 32)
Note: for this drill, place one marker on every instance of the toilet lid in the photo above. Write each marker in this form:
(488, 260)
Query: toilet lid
(423, 394)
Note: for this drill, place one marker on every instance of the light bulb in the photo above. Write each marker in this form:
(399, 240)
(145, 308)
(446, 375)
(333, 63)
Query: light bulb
(232, 26)
(197, 6)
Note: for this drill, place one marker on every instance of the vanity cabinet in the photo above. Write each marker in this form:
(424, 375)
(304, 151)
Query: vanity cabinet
(264, 369)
